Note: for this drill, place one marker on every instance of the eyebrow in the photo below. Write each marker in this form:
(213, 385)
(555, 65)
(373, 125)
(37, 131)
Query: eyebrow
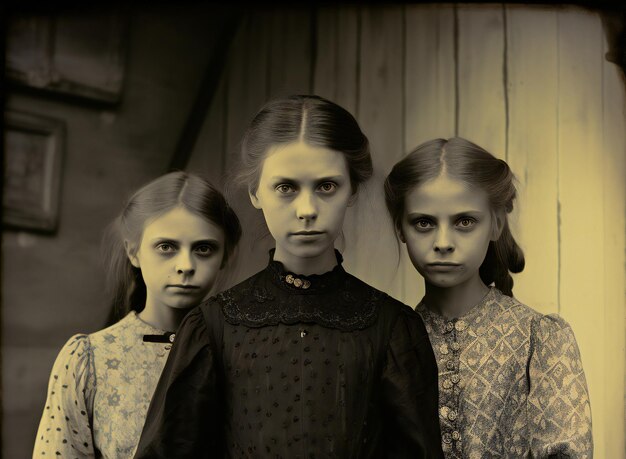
(336, 178)
(457, 215)
(176, 241)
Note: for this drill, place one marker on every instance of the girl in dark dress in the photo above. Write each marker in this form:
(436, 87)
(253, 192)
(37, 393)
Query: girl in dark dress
(302, 359)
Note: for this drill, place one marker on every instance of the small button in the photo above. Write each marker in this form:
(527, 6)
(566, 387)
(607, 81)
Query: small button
(460, 325)
(306, 284)
(444, 349)
(455, 379)
(172, 337)
(297, 282)
(444, 410)
(455, 346)
(452, 415)
(303, 333)
(449, 326)
(447, 384)
(456, 436)
(450, 365)
(289, 279)
(446, 438)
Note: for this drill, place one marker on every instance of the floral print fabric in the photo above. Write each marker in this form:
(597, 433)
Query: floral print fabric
(99, 392)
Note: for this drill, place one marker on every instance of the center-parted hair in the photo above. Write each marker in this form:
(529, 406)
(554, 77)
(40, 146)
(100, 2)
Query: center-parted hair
(313, 120)
(176, 189)
(463, 160)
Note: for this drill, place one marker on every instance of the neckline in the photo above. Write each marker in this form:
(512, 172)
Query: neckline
(305, 284)
(474, 315)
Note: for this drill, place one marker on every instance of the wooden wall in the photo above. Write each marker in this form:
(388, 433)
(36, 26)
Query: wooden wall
(530, 84)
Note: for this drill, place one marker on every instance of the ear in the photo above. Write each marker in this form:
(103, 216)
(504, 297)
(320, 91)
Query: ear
(254, 199)
(352, 199)
(499, 219)
(400, 234)
(131, 254)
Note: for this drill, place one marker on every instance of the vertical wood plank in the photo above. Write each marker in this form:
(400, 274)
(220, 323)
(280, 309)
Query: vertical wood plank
(337, 53)
(614, 178)
(482, 111)
(430, 67)
(369, 232)
(582, 296)
(290, 52)
(429, 97)
(532, 153)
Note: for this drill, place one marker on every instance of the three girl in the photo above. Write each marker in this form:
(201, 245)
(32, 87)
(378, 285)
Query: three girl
(166, 248)
(302, 359)
(511, 382)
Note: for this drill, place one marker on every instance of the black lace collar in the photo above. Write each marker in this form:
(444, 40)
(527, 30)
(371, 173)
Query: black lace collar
(334, 299)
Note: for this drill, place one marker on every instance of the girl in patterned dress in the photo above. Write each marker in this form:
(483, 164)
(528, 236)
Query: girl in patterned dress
(166, 249)
(511, 382)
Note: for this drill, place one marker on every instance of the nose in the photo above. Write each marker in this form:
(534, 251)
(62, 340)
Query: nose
(306, 206)
(443, 241)
(185, 264)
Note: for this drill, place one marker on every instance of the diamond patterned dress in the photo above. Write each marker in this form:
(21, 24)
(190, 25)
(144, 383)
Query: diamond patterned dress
(511, 383)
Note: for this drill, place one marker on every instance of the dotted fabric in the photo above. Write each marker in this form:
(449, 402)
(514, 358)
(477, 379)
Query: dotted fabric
(99, 392)
(511, 382)
(246, 380)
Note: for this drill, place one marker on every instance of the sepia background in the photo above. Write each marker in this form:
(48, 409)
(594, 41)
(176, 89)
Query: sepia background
(124, 95)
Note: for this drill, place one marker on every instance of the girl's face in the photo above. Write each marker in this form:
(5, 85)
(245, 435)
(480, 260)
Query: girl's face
(304, 192)
(179, 255)
(447, 227)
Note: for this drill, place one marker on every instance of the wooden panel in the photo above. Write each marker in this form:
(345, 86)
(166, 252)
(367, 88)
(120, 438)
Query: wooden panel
(532, 153)
(208, 155)
(482, 111)
(429, 97)
(582, 296)
(290, 53)
(369, 232)
(337, 51)
(429, 80)
(614, 178)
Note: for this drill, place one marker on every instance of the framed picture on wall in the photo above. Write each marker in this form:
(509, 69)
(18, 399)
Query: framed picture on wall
(32, 176)
(78, 55)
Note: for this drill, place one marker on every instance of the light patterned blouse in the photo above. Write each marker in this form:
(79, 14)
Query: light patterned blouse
(511, 383)
(99, 391)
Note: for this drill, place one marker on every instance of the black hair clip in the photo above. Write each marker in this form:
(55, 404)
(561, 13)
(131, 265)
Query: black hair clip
(167, 337)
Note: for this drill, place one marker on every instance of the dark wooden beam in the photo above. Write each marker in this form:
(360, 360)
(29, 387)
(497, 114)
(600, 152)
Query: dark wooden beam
(216, 65)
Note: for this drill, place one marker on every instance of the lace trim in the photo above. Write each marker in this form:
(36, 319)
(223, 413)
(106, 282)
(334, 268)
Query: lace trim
(261, 302)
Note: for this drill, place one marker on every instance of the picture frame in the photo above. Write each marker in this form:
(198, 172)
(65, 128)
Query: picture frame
(80, 55)
(34, 149)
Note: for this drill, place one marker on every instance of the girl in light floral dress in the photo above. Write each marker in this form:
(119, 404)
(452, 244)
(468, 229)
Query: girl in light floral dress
(166, 249)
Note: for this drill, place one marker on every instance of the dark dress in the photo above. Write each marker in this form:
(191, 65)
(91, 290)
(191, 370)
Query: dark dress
(288, 366)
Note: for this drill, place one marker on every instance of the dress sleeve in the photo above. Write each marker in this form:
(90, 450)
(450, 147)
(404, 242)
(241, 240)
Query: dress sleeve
(410, 391)
(65, 426)
(184, 419)
(559, 413)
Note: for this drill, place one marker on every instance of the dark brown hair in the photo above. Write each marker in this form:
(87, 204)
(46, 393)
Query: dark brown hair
(465, 161)
(312, 119)
(124, 281)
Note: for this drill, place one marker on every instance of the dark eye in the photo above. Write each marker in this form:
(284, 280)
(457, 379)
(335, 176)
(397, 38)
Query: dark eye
(165, 247)
(327, 187)
(204, 250)
(423, 224)
(466, 222)
(285, 188)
